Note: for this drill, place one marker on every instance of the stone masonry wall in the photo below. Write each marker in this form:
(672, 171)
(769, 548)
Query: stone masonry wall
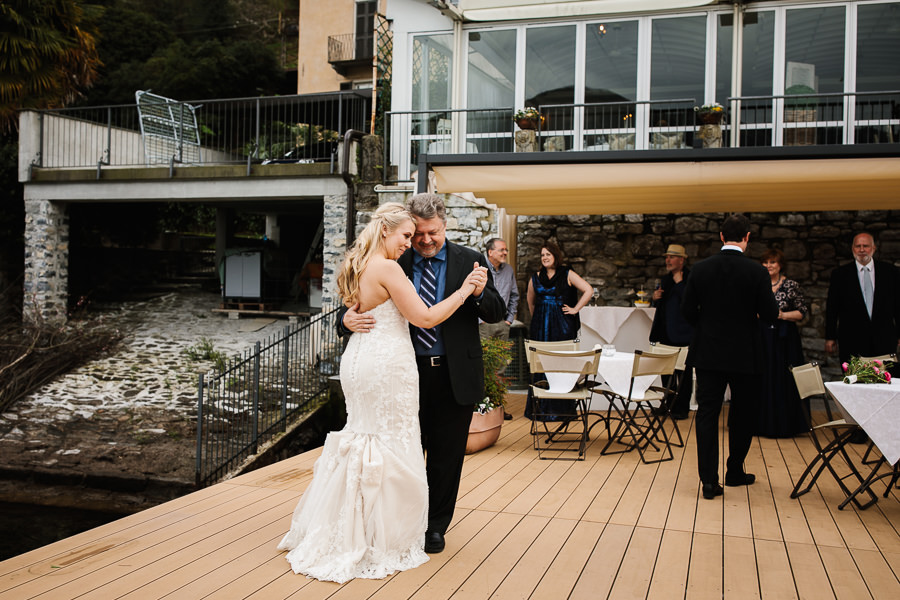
(619, 253)
(45, 289)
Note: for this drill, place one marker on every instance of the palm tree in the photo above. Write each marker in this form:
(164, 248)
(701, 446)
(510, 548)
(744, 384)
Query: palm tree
(48, 54)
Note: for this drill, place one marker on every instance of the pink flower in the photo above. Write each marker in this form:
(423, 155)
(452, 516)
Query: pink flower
(846, 367)
(876, 370)
(887, 376)
(879, 363)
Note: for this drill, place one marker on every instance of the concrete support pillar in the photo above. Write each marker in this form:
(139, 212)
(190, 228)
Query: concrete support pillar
(224, 234)
(273, 231)
(46, 287)
(334, 245)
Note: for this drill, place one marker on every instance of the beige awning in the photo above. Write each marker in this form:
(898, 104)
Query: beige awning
(508, 10)
(680, 187)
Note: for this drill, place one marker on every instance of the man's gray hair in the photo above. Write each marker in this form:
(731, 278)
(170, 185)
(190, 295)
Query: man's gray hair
(489, 245)
(427, 206)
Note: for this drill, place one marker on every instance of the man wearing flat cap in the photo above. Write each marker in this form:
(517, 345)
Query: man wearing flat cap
(669, 325)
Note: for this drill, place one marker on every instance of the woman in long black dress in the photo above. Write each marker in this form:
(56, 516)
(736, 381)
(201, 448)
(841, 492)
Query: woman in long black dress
(555, 296)
(782, 413)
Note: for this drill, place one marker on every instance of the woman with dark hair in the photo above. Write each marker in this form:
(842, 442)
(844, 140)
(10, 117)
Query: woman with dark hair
(782, 413)
(555, 296)
(554, 300)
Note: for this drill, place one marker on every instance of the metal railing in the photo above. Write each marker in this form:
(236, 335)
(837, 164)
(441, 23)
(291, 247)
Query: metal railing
(817, 119)
(814, 119)
(348, 46)
(288, 129)
(250, 399)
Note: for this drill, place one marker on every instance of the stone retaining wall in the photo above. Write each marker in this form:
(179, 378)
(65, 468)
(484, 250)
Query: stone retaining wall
(619, 253)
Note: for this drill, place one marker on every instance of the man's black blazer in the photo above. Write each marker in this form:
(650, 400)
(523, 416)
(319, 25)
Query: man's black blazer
(846, 318)
(460, 332)
(726, 296)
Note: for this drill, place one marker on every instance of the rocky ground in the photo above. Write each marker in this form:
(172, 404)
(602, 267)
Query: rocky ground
(124, 423)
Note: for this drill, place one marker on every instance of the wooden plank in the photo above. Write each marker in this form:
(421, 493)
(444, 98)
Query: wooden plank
(633, 578)
(810, 577)
(566, 568)
(528, 572)
(705, 571)
(740, 579)
(877, 573)
(609, 496)
(846, 580)
(768, 467)
(655, 511)
(776, 581)
(683, 510)
(671, 570)
(493, 569)
(631, 503)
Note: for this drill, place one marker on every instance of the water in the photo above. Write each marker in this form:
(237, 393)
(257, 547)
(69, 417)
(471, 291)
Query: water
(24, 527)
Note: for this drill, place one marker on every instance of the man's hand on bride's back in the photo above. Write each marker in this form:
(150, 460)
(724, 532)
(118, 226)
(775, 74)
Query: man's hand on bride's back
(358, 322)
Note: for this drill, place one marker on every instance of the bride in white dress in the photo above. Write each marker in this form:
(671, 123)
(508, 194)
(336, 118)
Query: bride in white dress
(364, 513)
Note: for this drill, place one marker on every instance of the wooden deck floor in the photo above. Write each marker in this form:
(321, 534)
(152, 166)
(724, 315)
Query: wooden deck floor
(607, 527)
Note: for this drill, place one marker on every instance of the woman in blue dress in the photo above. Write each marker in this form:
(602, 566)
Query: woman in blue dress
(555, 296)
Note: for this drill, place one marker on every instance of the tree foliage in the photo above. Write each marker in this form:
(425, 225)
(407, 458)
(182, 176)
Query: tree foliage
(48, 53)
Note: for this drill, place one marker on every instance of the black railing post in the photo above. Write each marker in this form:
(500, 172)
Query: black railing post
(199, 460)
(284, 376)
(256, 381)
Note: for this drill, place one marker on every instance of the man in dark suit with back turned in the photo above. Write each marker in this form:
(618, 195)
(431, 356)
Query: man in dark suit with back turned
(451, 372)
(855, 327)
(724, 299)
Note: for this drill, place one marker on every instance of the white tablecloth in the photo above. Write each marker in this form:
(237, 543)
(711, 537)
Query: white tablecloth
(876, 408)
(628, 328)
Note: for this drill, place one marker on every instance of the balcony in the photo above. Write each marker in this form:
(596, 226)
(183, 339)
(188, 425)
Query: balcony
(282, 129)
(348, 52)
(629, 131)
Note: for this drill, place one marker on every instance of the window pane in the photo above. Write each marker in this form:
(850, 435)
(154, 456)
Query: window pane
(814, 50)
(724, 39)
(878, 48)
(431, 71)
(678, 58)
(610, 69)
(758, 49)
(550, 65)
(491, 81)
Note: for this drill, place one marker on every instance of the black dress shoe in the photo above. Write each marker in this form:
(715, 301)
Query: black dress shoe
(711, 490)
(507, 416)
(739, 479)
(434, 542)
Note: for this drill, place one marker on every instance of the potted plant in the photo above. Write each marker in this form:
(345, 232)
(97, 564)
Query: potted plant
(528, 118)
(710, 114)
(487, 416)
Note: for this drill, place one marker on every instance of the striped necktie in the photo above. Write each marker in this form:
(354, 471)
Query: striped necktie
(428, 293)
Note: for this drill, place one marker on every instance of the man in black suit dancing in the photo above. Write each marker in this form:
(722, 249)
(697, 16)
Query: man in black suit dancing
(724, 299)
(451, 372)
(862, 314)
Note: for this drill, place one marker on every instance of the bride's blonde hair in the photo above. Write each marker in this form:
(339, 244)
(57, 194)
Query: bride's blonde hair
(387, 218)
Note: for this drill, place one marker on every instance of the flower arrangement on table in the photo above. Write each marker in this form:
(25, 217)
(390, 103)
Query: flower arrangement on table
(528, 117)
(866, 371)
(710, 113)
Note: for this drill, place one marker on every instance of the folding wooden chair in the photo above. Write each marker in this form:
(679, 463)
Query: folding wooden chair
(644, 428)
(674, 385)
(570, 375)
(564, 345)
(809, 382)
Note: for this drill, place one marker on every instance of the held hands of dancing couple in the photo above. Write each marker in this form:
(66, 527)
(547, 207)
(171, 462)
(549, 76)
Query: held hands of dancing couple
(385, 279)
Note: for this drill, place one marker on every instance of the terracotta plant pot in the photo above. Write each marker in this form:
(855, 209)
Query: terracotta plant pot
(710, 118)
(527, 123)
(484, 430)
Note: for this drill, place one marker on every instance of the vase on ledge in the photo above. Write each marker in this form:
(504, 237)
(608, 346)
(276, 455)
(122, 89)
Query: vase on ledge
(525, 123)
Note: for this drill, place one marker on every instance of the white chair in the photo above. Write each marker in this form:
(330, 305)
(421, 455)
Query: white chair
(808, 379)
(639, 424)
(570, 374)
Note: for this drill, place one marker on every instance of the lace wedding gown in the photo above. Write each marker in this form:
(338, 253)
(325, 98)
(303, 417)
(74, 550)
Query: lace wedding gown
(364, 513)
